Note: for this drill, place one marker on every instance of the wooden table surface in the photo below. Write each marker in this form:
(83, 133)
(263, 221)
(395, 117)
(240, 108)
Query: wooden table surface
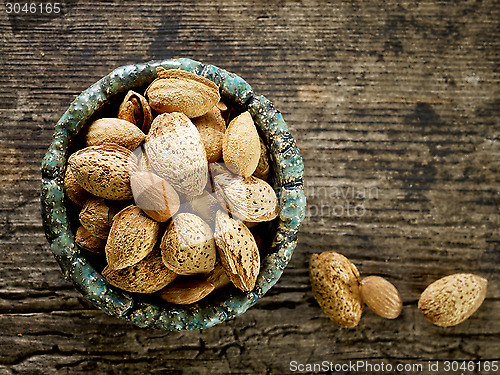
(395, 109)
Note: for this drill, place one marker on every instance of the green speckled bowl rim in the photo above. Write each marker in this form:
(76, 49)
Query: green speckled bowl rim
(288, 184)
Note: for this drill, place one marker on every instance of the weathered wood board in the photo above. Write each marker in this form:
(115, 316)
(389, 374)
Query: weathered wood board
(395, 108)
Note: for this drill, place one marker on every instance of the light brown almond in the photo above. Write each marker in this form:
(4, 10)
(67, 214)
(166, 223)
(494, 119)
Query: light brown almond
(262, 170)
(218, 277)
(87, 241)
(97, 215)
(221, 106)
(211, 127)
(452, 299)
(73, 190)
(249, 199)
(180, 91)
(148, 276)
(104, 170)
(142, 161)
(186, 292)
(114, 130)
(241, 145)
(135, 109)
(381, 297)
(131, 238)
(237, 250)
(205, 206)
(335, 285)
(188, 245)
(154, 195)
(174, 150)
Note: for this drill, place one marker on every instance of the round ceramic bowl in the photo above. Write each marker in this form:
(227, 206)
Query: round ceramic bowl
(79, 267)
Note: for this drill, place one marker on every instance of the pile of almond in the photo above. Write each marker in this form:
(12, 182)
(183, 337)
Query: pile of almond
(172, 190)
(342, 294)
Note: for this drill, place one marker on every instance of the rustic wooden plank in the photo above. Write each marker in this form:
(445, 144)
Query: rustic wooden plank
(395, 108)
(77, 339)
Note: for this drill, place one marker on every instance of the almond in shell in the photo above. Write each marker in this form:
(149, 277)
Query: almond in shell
(238, 251)
(147, 276)
(241, 145)
(249, 199)
(135, 109)
(104, 170)
(221, 106)
(186, 292)
(97, 215)
(131, 238)
(154, 195)
(335, 285)
(73, 190)
(114, 130)
(452, 299)
(179, 91)
(381, 297)
(87, 241)
(218, 277)
(211, 127)
(174, 150)
(188, 245)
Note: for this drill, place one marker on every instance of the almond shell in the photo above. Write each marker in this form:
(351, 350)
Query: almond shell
(147, 276)
(131, 238)
(335, 285)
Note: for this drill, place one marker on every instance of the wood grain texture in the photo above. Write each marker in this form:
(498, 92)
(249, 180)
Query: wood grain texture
(395, 108)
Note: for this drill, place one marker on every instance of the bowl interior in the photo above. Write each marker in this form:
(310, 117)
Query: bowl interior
(60, 218)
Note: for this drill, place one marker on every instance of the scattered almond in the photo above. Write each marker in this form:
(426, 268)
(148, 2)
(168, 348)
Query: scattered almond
(381, 297)
(452, 299)
(335, 285)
